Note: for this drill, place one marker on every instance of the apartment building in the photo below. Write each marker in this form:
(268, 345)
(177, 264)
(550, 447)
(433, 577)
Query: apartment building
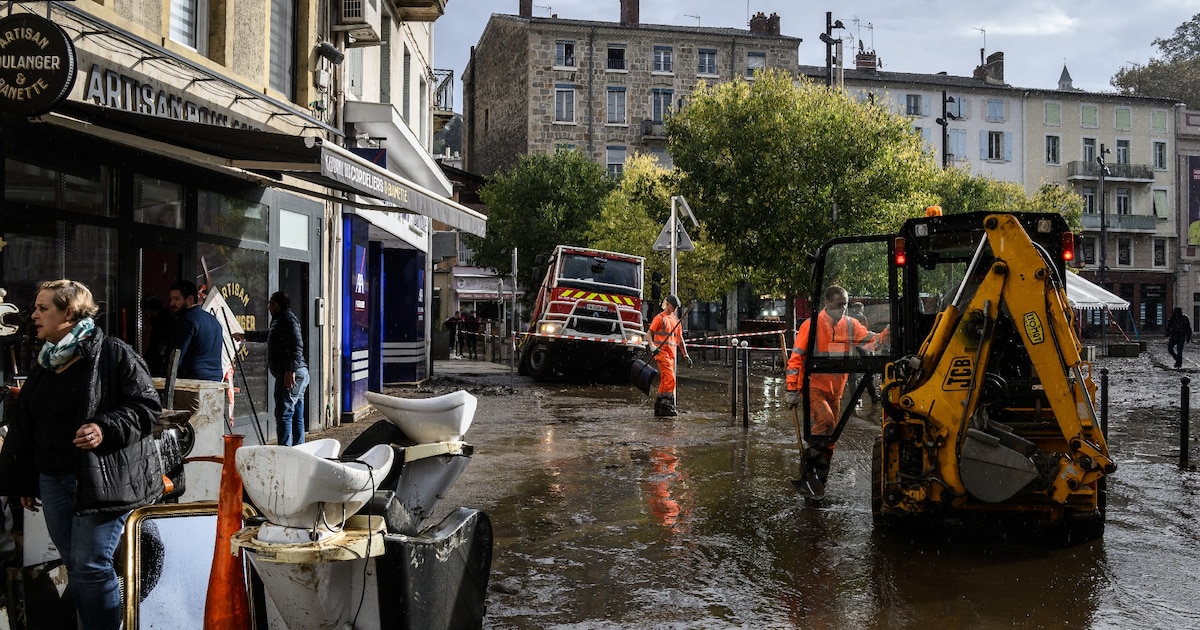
(604, 88)
(1116, 152)
(1187, 220)
(182, 139)
(1036, 137)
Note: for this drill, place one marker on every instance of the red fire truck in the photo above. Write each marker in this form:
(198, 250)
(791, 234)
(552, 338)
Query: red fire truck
(588, 316)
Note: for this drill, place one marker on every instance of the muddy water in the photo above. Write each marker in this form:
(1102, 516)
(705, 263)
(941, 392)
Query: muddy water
(607, 518)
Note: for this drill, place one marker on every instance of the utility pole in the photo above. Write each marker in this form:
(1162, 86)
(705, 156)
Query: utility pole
(830, 42)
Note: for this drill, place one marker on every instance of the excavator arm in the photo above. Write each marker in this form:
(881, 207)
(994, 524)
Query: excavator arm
(959, 433)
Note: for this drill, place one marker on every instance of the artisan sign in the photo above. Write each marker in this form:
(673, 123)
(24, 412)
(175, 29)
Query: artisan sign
(37, 64)
(108, 88)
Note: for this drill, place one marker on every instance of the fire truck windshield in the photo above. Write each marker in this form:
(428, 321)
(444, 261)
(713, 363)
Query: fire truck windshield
(591, 271)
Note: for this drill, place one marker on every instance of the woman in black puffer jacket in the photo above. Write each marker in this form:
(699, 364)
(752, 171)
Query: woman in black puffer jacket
(81, 442)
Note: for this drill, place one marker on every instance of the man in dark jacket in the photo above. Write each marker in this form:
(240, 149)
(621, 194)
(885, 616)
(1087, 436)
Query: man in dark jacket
(285, 360)
(197, 335)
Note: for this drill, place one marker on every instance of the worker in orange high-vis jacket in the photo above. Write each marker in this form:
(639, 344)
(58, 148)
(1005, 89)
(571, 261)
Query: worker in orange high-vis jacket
(666, 342)
(837, 335)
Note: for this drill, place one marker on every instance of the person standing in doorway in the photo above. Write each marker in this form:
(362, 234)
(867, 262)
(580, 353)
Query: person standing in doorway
(666, 339)
(285, 360)
(1179, 332)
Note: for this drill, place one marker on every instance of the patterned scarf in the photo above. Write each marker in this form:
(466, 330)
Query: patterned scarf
(56, 355)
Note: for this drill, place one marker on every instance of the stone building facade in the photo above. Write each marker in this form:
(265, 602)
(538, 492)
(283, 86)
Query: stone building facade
(537, 84)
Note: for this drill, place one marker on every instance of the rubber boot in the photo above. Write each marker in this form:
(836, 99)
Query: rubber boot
(814, 471)
(660, 406)
(670, 406)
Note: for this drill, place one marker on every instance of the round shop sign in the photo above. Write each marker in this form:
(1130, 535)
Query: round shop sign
(37, 64)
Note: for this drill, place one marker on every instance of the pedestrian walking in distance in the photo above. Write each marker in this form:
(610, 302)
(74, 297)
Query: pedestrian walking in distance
(1179, 332)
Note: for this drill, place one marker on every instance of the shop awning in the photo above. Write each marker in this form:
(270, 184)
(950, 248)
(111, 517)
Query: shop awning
(1084, 294)
(268, 155)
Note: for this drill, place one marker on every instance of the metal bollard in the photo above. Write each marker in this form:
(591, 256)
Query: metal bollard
(1104, 403)
(734, 384)
(745, 385)
(1184, 404)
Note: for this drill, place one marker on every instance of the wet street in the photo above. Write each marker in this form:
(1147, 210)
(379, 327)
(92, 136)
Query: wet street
(605, 517)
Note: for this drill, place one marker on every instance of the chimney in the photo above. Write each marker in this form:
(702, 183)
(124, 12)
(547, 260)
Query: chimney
(630, 10)
(773, 24)
(992, 70)
(758, 23)
(866, 61)
(526, 10)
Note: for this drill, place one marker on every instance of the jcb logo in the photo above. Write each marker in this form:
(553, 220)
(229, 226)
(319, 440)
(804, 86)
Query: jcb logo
(1033, 328)
(961, 373)
(8, 308)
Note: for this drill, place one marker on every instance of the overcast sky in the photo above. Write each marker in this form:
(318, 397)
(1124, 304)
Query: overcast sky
(1095, 38)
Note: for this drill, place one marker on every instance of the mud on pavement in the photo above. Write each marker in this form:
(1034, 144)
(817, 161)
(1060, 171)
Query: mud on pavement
(607, 518)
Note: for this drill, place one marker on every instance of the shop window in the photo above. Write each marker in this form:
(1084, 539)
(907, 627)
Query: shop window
(157, 202)
(57, 249)
(223, 215)
(293, 230)
(85, 190)
(241, 276)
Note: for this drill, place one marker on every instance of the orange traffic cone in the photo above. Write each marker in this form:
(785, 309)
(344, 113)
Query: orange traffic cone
(227, 607)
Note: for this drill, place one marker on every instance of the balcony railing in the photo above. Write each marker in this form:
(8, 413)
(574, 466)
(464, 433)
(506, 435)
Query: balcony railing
(1120, 222)
(653, 129)
(1125, 172)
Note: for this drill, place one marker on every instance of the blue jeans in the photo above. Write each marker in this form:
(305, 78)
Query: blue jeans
(86, 544)
(289, 410)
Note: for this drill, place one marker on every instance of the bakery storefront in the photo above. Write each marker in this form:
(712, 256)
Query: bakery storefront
(128, 168)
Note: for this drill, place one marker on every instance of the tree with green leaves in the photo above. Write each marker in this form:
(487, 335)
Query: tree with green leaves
(631, 218)
(542, 201)
(775, 167)
(1176, 75)
(959, 191)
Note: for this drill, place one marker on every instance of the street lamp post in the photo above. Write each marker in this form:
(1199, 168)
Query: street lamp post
(1104, 172)
(830, 42)
(944, 121)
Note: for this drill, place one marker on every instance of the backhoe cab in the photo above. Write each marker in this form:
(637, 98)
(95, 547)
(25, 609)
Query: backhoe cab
(987, 405)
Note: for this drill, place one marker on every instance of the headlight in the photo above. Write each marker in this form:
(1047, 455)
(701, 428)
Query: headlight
(549, 328)
(635, 339)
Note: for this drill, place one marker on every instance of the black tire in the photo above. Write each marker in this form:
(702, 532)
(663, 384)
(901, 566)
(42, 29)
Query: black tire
(540, 362)
(523, 363)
